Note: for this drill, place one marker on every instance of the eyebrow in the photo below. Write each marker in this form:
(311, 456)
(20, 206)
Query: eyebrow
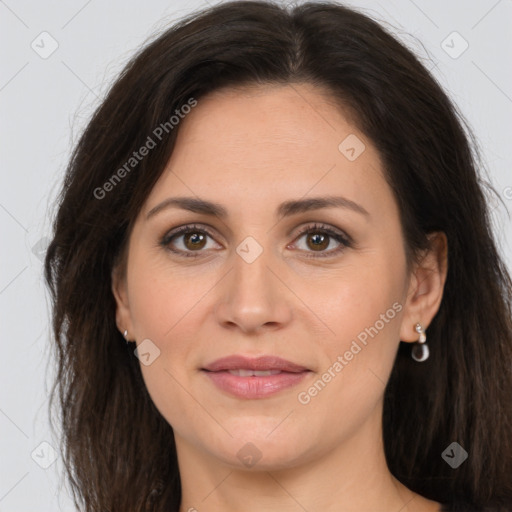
(285, 209)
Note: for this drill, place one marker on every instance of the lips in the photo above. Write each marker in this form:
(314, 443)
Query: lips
(262, 363)
(250, 378)
(253, 373)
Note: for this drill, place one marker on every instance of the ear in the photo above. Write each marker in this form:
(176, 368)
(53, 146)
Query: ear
(426, 287)
(119, 290)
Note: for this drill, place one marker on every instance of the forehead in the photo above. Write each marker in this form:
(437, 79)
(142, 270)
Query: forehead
(259, 143)
(291, 116)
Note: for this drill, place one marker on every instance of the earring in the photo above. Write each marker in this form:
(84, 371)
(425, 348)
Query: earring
(125, 334)
(420, 351)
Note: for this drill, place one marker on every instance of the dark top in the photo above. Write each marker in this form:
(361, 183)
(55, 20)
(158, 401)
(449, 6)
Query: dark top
(460, 507)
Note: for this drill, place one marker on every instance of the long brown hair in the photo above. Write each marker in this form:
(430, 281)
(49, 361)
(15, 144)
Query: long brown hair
(119, 451)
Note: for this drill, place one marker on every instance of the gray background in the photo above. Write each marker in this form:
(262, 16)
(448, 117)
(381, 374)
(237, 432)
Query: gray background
(45, 101)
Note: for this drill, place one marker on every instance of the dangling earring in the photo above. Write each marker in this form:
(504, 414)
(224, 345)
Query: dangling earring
(420, 350)
(125, 334)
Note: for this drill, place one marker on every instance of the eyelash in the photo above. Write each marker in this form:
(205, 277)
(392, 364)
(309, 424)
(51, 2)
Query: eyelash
(344, 240)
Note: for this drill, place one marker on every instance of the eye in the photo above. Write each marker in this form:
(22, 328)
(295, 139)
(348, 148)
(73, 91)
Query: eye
(194, 239)
(319, 237)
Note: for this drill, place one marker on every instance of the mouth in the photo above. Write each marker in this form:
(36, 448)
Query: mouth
(250, 378)
(253, 373)
(261, 363)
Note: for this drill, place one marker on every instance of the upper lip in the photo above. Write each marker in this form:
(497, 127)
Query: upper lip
(239, 362)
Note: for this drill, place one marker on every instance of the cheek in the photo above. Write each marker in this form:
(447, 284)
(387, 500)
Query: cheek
(364, 314)
(356, 299)
(165, 304)
(164, 297)
(162, 312)
(359, 359)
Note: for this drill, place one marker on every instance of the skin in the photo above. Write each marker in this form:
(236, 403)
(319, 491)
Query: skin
(251, 149)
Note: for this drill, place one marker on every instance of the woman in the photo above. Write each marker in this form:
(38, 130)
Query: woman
(275, 282)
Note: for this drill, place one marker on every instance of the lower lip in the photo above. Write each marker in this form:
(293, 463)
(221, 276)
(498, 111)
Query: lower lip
(254, 387)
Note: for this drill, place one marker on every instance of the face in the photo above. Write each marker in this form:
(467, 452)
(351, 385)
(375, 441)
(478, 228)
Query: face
(321, 285)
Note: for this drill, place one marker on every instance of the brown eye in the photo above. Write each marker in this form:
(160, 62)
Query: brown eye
(317, 241)
(194, 240)
(187, 240)
(319, 237)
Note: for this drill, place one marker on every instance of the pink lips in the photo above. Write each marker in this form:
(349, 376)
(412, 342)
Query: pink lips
(259, 377)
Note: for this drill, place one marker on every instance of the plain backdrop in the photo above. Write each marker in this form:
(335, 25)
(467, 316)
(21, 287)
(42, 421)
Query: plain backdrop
(57, 61)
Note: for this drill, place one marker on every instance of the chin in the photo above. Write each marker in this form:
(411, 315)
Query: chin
(256, 448)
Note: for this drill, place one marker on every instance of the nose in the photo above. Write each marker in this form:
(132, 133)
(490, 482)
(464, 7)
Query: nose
(253, 297)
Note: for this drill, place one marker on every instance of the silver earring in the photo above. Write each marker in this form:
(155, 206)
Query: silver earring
(125, 334)
(420, 351)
